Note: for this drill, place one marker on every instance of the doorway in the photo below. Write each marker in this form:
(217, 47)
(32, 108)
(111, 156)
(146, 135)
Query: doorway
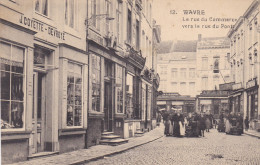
(38, 111)
(108, 121)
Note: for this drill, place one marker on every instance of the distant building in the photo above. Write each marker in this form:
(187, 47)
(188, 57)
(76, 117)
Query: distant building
(212, 63)
(177, 67)
(176, 103)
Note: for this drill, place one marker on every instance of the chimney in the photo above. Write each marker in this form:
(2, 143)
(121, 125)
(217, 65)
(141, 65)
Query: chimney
(199, 37)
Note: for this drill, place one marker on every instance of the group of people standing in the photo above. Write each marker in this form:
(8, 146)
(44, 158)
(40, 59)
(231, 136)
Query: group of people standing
(232, 123)
(191, 125)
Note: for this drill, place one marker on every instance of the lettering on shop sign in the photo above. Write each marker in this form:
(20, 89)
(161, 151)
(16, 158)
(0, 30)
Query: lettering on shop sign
(251, 83)
(38, 26)
(237, 86)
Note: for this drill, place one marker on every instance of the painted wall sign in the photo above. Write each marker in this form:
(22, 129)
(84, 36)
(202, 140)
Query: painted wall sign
(41, 27)
(251, 83)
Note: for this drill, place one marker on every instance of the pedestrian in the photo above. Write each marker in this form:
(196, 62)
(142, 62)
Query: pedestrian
(202, 124)
(167, 123)
(176, 125)
(239, 123)
(228, 124)
(208, 123)
(246, 123)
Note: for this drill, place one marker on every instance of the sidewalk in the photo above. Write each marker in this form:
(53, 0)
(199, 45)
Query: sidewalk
(252, 133)
(98, 151)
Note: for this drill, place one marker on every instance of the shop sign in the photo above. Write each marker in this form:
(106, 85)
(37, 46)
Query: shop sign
(41, 27)
(189, 103)
(224, 101)
(177, 102)
(227, 86)
(237, 86)
(251, 83)
(161, 102)
(205, 101)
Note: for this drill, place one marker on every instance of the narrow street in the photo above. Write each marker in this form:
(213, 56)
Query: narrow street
(214, 148)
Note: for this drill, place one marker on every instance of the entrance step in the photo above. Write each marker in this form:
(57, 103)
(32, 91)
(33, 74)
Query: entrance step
(109, 138)
(139, 133)
(113, 142)
(42, 154)
(107, 133)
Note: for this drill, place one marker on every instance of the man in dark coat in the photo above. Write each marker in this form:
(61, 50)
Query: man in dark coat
(202, 124)
(240, 123)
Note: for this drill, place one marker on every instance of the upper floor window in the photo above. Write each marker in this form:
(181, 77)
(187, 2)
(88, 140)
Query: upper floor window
(174, 73)
(216, 63)
(183, 72)
(137, 35)
(70, 13)
(129, 26)
(192, 72)
(41, 6)
(119, 22)
(204, 63)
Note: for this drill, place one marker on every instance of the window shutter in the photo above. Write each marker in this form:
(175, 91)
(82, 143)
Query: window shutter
(90, 84)
(124, 84)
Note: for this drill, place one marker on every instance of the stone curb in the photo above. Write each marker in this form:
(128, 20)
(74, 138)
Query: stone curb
(114, 153)
(253, 135)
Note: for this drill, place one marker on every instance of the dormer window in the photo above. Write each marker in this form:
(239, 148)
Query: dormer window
(250, 56)
(250, 26)
(255, 20)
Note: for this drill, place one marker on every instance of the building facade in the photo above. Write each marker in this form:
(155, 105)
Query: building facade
(177, 68)
(44, 78)
(176, 103)
(212, 63)
(66, 81)
(245, 64)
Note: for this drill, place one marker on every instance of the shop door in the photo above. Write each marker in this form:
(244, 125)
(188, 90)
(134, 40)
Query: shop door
(38, 113)
(108, 121)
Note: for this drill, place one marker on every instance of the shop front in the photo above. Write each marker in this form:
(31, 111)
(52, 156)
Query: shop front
(236, 98)
(252, 104)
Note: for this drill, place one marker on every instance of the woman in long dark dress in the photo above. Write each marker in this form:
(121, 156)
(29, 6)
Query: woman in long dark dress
(202, 124)
(176, 125)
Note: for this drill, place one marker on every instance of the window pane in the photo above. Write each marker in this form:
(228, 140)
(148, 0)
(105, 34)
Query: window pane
(71, 13)
(37, 5)
(17, 87)
(66, 12)
(5, 85)
(5, 50)
(17, 114)
(45, 7)
(5, 109)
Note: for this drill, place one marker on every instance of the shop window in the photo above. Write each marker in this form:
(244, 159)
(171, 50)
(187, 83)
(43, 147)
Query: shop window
(119, 89)
(12, 86)
(41, 6)
(129, 96)
(70, 13)
(96, 85)
(143, 101)
(74, 95)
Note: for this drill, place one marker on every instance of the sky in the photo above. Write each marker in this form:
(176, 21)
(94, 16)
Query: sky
(175, 25)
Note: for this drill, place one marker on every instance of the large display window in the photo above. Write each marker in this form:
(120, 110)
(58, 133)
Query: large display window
(119, 89)
(74, 95)
(12, 73)
(96, 85)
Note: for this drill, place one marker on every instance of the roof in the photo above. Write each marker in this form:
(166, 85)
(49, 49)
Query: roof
(214, 42)
(185, 46)
(165, 47)
(177, 56)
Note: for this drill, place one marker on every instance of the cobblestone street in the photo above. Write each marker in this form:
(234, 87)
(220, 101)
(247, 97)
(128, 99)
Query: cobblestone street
(214, 148)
